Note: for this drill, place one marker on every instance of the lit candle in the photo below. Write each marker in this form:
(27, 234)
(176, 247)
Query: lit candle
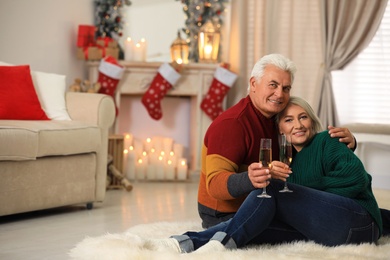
(129, 49)
(138, 147)
(128, 140)
(172, 157)
(208, 49)
(153, 156)
(143, 48)
(158, 144)
(148, 144)
(125, 160)
(182, 169)
(131, 160)
(170, 170)
(138, 52)
(141, 169)
(160, 175)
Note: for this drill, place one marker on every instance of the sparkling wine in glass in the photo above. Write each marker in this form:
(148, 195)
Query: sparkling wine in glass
(265, 157)
(285, 155)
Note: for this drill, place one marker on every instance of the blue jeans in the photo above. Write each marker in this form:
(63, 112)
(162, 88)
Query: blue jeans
(305, 214)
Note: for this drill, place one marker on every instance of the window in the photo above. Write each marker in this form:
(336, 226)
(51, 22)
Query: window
(362, 89)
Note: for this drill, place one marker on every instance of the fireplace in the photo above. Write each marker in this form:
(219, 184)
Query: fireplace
(193, 85)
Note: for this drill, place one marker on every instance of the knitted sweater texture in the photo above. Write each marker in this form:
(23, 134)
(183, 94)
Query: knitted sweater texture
(328, 165)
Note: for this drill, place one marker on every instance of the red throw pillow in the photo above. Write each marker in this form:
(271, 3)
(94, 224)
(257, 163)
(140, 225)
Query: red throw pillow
(18, 99)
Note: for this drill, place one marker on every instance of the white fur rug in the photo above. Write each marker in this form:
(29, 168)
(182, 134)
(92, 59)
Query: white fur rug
(128, 245)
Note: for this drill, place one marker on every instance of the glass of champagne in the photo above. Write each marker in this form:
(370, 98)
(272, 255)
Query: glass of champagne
(285, 154)
(265, 157)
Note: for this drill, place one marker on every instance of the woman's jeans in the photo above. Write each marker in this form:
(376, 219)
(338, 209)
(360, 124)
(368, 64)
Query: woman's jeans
(304, 214)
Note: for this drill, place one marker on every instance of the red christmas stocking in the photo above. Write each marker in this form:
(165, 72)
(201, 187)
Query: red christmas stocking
(166, 77)
(222, 82)
(110, 72)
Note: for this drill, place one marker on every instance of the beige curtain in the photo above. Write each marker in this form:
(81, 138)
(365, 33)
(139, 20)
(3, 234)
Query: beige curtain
(260, 27)
(348, 26)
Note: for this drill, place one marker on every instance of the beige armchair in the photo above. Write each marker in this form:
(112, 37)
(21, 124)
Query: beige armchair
(46, 164)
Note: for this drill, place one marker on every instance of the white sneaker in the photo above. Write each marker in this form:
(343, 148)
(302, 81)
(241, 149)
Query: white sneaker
(165, 244)
(211, 246)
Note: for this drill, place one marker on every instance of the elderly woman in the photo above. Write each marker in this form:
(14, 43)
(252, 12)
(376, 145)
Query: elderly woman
(332, 202)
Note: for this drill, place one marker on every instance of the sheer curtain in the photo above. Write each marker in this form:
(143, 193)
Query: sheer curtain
(348, 26)
(318, 35)
(291, 28)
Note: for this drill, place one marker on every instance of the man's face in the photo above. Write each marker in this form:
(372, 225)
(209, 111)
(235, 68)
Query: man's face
(271, 93)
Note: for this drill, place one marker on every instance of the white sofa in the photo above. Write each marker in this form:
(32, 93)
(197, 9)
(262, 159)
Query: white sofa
(52, 163)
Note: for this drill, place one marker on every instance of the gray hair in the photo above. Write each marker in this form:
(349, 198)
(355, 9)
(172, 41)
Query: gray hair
(316, 123)
(275, 59)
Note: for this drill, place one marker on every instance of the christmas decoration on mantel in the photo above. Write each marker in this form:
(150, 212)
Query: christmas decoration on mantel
(110, 72)
(222, 82)
(167, 76)
(198, 13)
(108, 20)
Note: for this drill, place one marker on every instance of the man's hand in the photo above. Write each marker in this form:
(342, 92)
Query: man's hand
(258, 175)
(344, 135)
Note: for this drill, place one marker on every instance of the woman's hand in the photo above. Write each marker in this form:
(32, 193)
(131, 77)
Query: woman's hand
(280, 170)
(344, 135)
(258, 175)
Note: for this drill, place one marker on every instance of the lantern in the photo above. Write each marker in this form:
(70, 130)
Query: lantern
(179, 50)
(208, 43)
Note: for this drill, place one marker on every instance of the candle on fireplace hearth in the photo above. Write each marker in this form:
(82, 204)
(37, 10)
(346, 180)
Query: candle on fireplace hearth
(148, 144)
(169, 170)
(160, 168)
(138, 147)
(125, 159)
(129, 49)
(141, 169)
(128, 140)
(158, 143)
(131, 162)
(172, 156)
(182, 169)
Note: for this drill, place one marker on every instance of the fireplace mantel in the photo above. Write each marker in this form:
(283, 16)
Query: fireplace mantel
(194, 83)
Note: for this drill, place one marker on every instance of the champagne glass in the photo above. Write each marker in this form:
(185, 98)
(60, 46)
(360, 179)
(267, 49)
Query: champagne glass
(285, 155)
(265, 157)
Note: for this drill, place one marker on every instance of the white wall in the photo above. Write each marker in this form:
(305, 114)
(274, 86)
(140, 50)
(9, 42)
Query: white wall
(43, 34)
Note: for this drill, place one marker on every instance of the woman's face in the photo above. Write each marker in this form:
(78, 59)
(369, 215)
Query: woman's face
(295, 122)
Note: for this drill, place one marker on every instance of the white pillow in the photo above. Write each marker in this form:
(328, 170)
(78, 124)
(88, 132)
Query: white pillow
(50, 89)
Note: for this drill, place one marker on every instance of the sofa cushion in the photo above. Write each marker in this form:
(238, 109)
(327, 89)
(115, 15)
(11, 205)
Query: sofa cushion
(50, 89)
(18, 99)
(28, 140)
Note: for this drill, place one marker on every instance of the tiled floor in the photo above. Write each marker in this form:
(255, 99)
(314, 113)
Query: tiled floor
(51, 234)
